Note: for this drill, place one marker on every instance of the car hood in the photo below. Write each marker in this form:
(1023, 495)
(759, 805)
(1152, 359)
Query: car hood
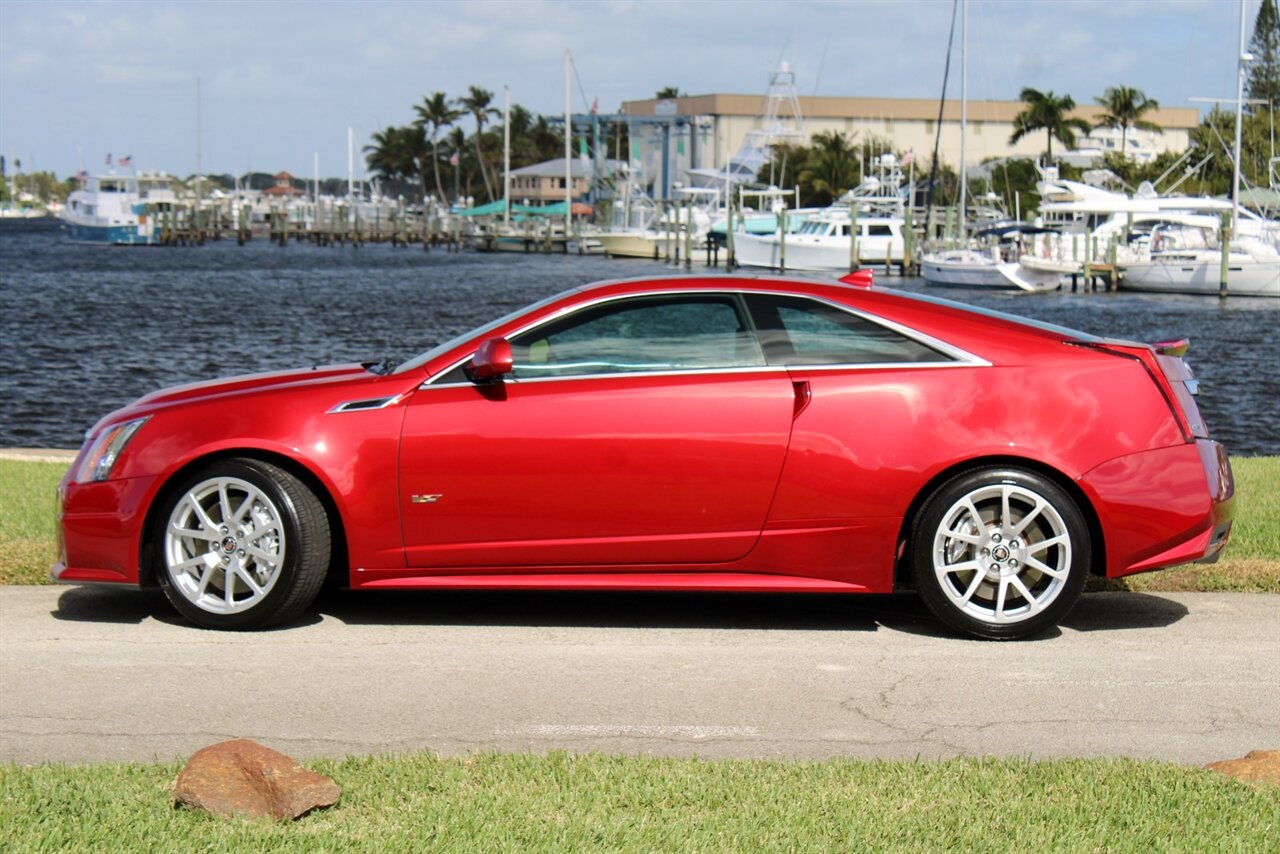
(195, 392)
(253, 382)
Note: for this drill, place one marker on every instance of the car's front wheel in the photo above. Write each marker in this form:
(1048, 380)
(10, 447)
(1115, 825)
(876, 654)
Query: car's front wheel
(1000, 553)
(241, 544)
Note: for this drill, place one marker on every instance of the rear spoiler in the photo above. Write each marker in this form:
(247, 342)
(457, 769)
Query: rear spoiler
(1177, 347)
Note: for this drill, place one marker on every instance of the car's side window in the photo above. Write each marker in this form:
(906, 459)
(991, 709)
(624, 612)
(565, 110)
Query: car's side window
(799, 331)
(670, 333)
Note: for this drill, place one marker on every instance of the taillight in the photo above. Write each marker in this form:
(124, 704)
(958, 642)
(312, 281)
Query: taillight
(1177, 384)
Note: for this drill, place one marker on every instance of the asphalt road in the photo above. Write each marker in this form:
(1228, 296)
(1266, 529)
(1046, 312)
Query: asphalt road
(98, 674)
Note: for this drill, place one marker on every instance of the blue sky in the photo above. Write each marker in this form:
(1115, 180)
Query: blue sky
(282, 81)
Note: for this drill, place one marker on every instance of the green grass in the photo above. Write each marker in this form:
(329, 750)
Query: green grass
(1256, 533)
(560, 802)
(28, 544)
(1252, 562)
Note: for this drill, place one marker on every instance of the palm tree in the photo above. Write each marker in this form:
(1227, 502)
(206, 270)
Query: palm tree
(392, 154)
(1125, 106)
(456, 144)
(1048, 112)
(830, 166)
(435, 114)
(477, 103)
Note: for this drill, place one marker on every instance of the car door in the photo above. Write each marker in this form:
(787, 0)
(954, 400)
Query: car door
(873, 414)
(641, 430)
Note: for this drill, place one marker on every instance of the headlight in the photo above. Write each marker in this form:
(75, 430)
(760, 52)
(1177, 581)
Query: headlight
(106, 449)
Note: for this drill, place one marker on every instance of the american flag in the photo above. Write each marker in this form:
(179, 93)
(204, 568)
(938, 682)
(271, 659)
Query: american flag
(125, 161)
(453, 159)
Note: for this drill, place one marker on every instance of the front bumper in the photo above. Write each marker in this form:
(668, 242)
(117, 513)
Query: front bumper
(100, 527)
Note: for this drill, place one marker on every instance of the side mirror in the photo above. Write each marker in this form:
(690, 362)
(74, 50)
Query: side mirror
(491, 361)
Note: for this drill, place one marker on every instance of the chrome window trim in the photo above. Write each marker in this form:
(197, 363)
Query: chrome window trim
(961, 358)
(766, 369)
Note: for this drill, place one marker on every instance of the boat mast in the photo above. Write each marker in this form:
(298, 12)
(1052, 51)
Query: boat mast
(1241, 59)
(568, 138)
(199, 134)
(964, 107)
(506, 155)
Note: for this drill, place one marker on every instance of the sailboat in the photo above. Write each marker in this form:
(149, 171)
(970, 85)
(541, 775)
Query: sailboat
(967, 267)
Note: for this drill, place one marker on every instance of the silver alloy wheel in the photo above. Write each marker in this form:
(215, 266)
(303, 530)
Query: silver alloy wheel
(224, 545)
(1002, 553)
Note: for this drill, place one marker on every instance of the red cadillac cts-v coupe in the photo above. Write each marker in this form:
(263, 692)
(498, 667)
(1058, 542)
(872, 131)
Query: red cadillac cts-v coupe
(701, 433)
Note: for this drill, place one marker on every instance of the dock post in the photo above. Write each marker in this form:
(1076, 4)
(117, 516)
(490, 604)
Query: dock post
(728, 240)
(908, 240)
(782, 240)
(855, 260)
(1113, 279)
(688, 236)
(1224, 244)
(666, 233)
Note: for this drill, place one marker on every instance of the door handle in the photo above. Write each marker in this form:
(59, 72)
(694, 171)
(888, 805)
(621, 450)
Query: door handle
(803, 396)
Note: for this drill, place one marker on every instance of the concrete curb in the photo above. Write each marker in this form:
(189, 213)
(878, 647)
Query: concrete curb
(38, 455)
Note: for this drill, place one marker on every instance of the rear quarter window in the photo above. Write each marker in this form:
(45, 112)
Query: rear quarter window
(800, 331)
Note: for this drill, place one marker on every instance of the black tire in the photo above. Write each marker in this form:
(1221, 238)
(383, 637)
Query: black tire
(1027, 570)
(241, 544)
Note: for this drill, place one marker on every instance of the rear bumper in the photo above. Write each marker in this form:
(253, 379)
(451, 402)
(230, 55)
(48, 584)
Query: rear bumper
(1163, 507)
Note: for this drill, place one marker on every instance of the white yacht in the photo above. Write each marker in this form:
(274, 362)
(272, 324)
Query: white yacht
(665, 233)
(821, 242)
(1085, 221)
(112, 209)
(1188, 261)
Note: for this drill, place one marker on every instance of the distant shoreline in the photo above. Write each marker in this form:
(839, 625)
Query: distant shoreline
(38, 455)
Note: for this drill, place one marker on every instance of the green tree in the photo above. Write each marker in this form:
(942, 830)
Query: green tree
(398, 154)
(1047, 112)
(455, 144)
(1263, 80)
(434, 115)
(669, 92)
(476, 102)
(1124, 108)
(829, 167)
(1215, 135)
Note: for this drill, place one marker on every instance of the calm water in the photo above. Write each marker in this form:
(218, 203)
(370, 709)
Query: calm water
(87, 329)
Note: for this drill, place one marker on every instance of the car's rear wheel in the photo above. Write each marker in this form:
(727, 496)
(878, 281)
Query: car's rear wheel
(1000, 553)
(241, 544)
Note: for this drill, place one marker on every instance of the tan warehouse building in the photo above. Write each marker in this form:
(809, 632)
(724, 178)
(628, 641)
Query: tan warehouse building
(909, 124)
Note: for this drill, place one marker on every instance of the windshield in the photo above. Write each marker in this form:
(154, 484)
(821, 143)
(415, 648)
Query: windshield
(479, 332)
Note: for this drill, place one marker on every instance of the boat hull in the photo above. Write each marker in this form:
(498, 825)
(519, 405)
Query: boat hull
(631, 245)
(108, 235)
(1245, 277)
(824, 256)
(982, 273)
